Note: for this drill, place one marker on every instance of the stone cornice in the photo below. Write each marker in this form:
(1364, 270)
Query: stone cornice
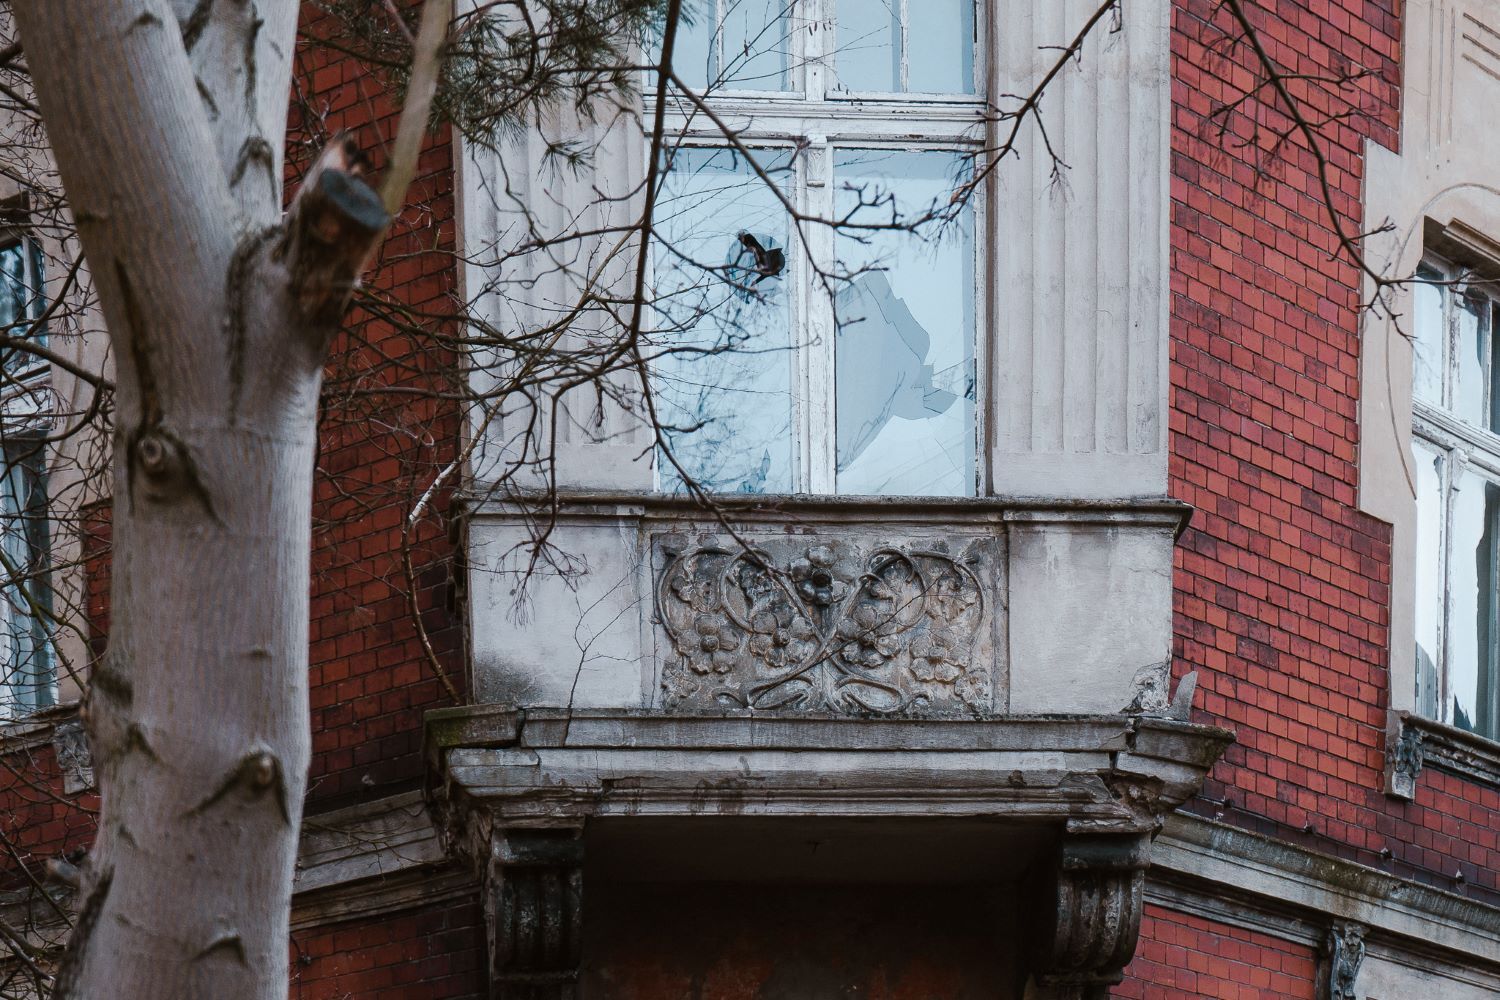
(35, 730)
(1238, 876)
(594, 504)
(371, 840)
(377, 857)
(1097, 773)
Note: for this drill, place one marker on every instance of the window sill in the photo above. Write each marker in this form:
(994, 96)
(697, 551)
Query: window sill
(1416, 743)
(57, 726)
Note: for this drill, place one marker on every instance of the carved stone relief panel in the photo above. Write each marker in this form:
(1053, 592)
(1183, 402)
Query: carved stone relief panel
(848, 624)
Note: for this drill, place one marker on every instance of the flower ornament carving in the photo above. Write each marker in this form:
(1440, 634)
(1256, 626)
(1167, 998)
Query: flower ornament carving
(834, 626)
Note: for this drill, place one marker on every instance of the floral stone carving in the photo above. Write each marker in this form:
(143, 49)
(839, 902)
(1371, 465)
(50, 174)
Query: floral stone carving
(834, 626)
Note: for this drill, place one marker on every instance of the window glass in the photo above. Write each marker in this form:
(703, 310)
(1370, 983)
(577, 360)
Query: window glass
(694, 52)
(848, 364)
(868, 57)
(20, 300)
(940, 47)
(1472, 600)
(753, 48)
(723, 373)
(1428, 335)
(1428, 468)
(732, 44)
(914, 46)
(25, 656)
(1472, 340)
(904, 368)
(1492, 311)
(15, 297)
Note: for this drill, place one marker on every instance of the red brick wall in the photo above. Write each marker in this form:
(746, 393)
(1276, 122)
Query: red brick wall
(433, 953)
(1283, 586)
(1182, 956)
(38, 821)
(371, 676)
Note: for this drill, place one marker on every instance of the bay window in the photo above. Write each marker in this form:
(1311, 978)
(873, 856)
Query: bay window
(1456, 458)
(817, 290)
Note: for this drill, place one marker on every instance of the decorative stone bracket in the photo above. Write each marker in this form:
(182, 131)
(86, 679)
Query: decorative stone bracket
(533, 910)
(1343, 953)
(1413, 743)
(1095, 915)
(74, 758)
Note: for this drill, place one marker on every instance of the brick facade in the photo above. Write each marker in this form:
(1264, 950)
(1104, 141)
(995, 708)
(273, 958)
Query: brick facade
(371, 676)
(429, 953)
(1282, 584)
(1282, 596)
(1186, 956)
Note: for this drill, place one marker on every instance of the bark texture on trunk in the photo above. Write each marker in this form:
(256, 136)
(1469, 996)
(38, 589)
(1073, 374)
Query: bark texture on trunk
(167, 121)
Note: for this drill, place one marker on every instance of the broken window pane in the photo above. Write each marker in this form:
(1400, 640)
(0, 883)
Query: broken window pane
(1428, 335)
(1472, 603)
(1428, 468)
(722, 377)
(732, 44)
(904, 353)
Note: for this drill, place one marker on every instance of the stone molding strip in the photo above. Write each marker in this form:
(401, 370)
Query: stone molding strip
(375, 857)
(1245, 879)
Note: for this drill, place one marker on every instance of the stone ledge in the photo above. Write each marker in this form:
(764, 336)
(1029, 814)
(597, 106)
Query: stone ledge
(1312, 889)
(633, 762)
(32, 731)
(375, 857)
(590, 504)
(1415, 742)
(369, 840)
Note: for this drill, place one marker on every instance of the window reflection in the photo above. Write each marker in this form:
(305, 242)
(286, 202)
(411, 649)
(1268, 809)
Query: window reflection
(733, 44)
(1428, 337)
(1428, 467)
(1472, 340)
(1472, 593)
(21, 300)
(723, 378)
(25, 656)
(904, 369)
(905, 46)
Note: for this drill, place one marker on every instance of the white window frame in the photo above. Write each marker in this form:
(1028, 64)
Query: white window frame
(25, 409)
(1463, 447)
(31, 256)
(813, 114)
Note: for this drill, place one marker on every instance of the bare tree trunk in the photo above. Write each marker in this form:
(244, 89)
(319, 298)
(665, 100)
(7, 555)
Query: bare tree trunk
(167, 125)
